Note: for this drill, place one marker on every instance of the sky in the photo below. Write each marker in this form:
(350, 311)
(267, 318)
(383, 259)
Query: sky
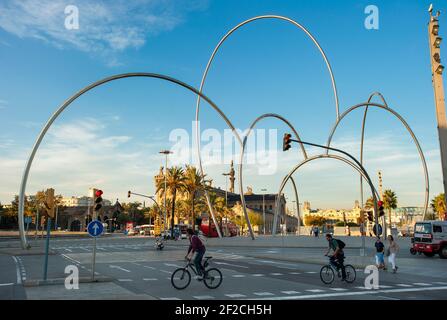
(110, 137)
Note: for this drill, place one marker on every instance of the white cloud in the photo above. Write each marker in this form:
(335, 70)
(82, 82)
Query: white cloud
(105, 27)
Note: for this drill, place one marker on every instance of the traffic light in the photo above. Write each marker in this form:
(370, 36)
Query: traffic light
(97, 200)
(381, 211)
(128, 194)
(286, 142)
(49, 202)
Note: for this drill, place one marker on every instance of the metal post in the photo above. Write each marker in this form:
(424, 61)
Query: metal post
(47, 247)
(94, 259)
(263, 209)
(55, 221)
(438, 86)
(37, 223)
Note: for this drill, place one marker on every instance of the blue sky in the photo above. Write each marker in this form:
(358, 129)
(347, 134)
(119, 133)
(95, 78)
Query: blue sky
(110, 137)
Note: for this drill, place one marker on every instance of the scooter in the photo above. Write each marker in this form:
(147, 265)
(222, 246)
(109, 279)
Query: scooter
(159, 245)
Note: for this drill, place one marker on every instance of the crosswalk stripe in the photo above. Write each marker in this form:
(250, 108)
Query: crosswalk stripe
(384, 287)
(263, 293)
(235, 295)
(290, 292)
(203, 297)
(171, 298)
(311, 272)
(238, 276)
(315, 290)
(294, 273)
(339, 289)
(276, 274)
(403, 285)
(125, 280)
(441, 283)
(422, 284)
(257, 275)
(149, 279)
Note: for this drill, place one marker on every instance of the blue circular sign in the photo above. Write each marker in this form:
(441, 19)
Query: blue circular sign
(95, 228)
(375, 230)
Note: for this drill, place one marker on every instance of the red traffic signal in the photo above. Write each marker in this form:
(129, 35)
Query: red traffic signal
(128, 194)
(286, 142)
(98, 200)
(98, 193)
(380, 203)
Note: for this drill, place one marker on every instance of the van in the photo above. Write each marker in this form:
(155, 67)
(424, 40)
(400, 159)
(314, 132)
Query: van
(430, 238)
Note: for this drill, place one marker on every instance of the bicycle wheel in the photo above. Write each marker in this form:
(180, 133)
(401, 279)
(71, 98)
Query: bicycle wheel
(350, 273)
(181, 278)
(213, 278)
(327, 274)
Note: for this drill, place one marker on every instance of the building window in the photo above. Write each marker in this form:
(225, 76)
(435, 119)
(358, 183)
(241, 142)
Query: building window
(271, 207)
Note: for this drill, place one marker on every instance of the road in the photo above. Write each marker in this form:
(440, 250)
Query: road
(138, 271)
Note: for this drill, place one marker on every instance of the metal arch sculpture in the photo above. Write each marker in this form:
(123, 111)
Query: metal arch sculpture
(277, 17)
(321, 156)
(55, 115)
(241, 186)
(362, 137)
(402, 120)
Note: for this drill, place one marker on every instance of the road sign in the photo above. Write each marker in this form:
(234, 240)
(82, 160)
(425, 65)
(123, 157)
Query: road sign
(28, 219)
(95, 228)
(375, 230)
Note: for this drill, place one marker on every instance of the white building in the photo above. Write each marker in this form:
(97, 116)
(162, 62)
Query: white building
(81, 201)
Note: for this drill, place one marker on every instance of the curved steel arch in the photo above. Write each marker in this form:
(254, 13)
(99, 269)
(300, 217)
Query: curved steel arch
(362, 138)
(402, 120)
(241, 187)
(328, 65)
(321, 156)
(73, 98)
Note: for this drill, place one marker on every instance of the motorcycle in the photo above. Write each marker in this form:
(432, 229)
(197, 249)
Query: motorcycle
(159, 245)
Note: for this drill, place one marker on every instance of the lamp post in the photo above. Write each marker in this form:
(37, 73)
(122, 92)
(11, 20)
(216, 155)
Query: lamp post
(438, 86)
(263, 209)
(226, 188)
(166, 153)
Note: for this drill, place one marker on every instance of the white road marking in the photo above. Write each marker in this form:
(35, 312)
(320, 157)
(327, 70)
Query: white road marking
(403, 285)
(125, 280)
(85, 249)
(356, 293)
(173, 265)
(363, 288)
(388, 298)
(70, 259)
(150, 279)
(440, 282)
(421, 284)
(235, 295)
(384, 287)
(173, 298)
(263, 293)
(290, 292)
(169, 272)
(294, 272)
(311, 272)
(315, 290)
(339, 289)
(238, 276)
(100, 248)
(19, 278)
(276, 274)
(229, 264)
(69, 250)
(6, 284)
(203, 297)
(119, 268)
(257, 275)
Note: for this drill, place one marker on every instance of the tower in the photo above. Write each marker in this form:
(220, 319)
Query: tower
(232, 178)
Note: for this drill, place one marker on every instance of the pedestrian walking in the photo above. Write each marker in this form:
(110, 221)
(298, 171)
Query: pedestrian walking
(380, 252)
(392, 251)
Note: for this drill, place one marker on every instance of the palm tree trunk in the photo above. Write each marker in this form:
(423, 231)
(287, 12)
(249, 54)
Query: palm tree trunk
(193, 218)
(173, 212)
(389, 219)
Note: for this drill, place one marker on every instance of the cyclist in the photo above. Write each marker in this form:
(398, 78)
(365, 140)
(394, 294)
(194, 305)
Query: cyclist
(196, 246)
(338, 257)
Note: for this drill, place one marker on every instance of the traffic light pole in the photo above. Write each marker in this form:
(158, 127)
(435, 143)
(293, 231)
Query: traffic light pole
(362, 169)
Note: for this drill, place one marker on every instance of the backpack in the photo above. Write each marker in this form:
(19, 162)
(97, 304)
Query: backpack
(341, 244)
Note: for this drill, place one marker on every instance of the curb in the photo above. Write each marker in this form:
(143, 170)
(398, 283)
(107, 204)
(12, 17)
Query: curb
(58, 281)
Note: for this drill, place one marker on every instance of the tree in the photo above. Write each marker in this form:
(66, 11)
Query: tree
(193, 183)
(438, 205)
(389, 203)
(369, 203)
(314, 220)
(175, 182)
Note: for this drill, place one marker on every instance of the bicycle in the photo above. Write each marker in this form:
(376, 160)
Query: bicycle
(181, 277)
(327, 273)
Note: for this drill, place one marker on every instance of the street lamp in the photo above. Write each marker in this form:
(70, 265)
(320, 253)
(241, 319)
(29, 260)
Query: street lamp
(263, 209)
(226, 188)
(166, 153)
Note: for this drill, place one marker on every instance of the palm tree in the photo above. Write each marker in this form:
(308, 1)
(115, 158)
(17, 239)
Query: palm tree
(438, 205)
(175, 182)
(369, 203)
(194, 182)
(389, 203)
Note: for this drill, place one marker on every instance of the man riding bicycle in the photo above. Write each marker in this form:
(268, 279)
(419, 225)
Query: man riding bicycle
(196, 246)
(338, 257)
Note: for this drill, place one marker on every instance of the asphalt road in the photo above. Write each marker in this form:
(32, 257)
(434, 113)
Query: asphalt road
(139, 270)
